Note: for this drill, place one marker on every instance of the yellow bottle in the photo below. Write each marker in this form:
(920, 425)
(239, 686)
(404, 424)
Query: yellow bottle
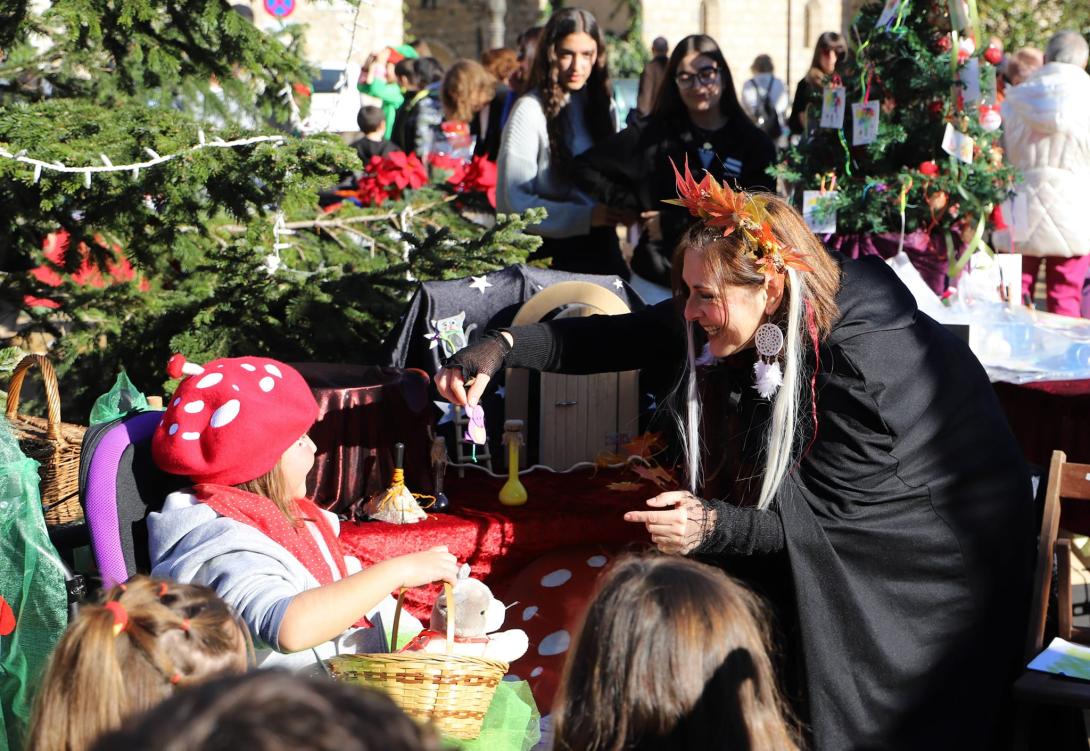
(513, 493)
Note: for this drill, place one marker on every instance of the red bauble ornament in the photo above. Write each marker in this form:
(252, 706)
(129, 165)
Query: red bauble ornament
(993, 55)
(943, 43)
(935, 108)
(929, 168)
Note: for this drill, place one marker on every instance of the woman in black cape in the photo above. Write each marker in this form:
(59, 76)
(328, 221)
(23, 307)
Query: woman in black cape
(878, 495)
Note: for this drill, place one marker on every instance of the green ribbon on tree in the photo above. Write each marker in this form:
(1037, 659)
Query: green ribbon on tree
(956, 265)
(847, 153)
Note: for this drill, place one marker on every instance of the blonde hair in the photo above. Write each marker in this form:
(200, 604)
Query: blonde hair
(176, 634)
(467, 88)
(810, 302)
(274, 486)
(671, 654)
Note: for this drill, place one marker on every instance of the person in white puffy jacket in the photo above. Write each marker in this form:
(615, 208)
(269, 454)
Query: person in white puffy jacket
(1047, 138)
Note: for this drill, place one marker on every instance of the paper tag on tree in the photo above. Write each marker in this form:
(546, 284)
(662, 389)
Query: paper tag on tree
(832, 107)
(970, 78)
(864, 123)
(819, 210)
(957, 144)
(889, 12)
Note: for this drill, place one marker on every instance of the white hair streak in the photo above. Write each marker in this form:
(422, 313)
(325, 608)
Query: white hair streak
(783, 422)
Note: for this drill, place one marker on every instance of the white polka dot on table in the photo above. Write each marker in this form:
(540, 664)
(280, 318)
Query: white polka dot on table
(235, 387)
(190, 436)
(554, 643)
(273, 370)
(209, 380)
(172, 429)
(529, 612)
(537, 671)
(248, 366)
(511, 678)
(177, 401)
(194, 407)
(227, 412)
(597, 561)
(556, 578)
(266, 384)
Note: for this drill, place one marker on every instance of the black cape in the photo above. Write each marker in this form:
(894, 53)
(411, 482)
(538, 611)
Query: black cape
(907, 527)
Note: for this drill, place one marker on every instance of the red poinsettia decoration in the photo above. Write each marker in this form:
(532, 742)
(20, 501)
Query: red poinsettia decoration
(55, 247)
(479, 176)
(7, 618)
(451, 164)
(387, 178)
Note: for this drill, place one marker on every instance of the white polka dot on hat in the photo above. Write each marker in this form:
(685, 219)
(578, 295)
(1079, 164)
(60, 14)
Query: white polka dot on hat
(231, 420)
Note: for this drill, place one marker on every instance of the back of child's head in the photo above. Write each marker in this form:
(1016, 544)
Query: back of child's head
(272, 710)
(671, 654)
(428, 71)
(370, 119)
(147, 638)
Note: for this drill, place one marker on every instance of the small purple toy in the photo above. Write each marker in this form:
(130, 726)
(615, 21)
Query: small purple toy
(475, 430)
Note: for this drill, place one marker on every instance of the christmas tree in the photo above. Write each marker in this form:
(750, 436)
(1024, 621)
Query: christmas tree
(130, 228)
(926, 82)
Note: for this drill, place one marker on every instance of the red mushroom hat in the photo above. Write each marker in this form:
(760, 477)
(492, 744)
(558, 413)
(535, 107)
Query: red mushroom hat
(231, 420)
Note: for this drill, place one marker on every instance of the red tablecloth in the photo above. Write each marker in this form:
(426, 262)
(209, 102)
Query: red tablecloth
(498, 541)
(1052, 415)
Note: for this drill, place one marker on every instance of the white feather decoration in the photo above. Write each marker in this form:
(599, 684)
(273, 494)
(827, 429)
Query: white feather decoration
(767, 378)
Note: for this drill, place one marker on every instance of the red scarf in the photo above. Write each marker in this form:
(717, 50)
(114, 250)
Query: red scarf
(262, 514)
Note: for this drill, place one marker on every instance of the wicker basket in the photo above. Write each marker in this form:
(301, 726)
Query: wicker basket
(451, 691)
(52, 443)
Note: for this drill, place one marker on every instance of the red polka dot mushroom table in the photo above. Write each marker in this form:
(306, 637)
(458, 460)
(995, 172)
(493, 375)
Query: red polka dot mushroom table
(542, 559)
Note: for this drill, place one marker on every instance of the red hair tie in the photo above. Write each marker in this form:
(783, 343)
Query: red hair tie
(121, 616)
(175, 679)
(162, 589)
(185, 625)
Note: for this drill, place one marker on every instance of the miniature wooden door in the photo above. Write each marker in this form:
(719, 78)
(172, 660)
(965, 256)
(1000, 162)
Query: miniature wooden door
(580, 416)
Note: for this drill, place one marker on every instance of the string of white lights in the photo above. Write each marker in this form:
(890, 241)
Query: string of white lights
(154, 159)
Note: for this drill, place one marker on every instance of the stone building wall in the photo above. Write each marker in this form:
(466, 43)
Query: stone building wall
(329, 33)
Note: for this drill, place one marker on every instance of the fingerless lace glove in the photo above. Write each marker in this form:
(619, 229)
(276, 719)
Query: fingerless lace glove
(486, 356)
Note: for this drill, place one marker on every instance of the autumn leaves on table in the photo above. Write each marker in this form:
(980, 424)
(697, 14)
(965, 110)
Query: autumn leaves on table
(639, 458)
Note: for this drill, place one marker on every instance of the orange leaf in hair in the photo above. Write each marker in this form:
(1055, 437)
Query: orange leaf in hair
(724, 207)
(689, 192)
(794, 259)
(7, 618)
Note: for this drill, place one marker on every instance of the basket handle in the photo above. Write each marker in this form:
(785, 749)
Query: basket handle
(449, 591)
(52, 393)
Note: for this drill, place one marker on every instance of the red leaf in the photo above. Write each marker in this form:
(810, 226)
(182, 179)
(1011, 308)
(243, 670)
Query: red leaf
(7, 618)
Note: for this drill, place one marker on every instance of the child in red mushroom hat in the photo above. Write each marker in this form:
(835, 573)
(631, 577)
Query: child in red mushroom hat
(238, 429)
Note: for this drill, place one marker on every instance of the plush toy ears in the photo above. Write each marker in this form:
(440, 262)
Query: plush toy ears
(463, 572)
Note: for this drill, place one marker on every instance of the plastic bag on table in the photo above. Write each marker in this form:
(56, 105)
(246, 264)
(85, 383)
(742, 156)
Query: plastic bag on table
(511, 724)
(120, 400)
(33, 597)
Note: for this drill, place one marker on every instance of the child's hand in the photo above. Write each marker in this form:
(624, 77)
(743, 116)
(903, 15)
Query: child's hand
(427, 566)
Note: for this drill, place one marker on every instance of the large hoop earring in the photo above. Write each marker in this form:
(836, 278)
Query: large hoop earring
(767, 375)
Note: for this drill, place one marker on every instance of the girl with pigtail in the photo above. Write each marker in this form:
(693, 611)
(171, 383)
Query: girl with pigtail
(874, 495)
(147, 638)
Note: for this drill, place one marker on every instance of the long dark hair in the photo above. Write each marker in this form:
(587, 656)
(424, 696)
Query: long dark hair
(669, 105)
(671, 654)
(545, 79)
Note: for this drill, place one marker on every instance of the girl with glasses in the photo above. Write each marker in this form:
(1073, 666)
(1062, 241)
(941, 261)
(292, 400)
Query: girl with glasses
(697, 118)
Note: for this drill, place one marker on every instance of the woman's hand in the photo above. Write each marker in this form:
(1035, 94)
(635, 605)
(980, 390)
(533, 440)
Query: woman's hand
(652, 224)
(681, 527)
(473, 366)
(427, 566)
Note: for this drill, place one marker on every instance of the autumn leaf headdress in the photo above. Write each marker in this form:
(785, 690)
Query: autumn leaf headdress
(717, 206)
